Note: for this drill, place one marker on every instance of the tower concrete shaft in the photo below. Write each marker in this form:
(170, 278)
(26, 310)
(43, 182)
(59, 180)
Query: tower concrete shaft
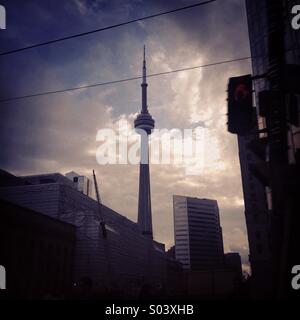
(144, 124)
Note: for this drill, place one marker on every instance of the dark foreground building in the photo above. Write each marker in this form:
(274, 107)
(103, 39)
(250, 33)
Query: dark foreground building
(274, 236)
(36, 251)
(258, 221)
(119, 262)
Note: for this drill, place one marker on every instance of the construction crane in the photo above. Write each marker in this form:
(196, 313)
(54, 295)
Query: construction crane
(105, 242)
(102, 222)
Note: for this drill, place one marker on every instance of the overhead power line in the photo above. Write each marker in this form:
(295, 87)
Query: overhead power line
(106, 28)
(93, 85)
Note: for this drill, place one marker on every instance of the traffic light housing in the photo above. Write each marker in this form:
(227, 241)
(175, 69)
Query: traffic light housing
(240, 105)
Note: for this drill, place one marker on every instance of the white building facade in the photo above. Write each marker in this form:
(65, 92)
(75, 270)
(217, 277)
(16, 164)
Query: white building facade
(198, 234)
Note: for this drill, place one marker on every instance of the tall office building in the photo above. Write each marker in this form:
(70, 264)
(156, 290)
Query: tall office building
(144, 125)
(257, 219)
(263, 33)
(198, 234)
(257, 13)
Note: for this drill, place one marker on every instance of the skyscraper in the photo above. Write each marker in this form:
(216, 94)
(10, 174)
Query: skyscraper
(144, 125)
(257, 13)
(198, 234)
(257, 218)
(274, 44)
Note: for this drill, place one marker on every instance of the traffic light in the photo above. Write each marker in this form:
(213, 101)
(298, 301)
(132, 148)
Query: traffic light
(240, 105)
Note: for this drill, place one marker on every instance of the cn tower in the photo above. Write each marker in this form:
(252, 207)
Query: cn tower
(144, 124)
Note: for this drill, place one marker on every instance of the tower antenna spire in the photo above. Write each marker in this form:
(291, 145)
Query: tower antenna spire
(144, 85)
(144, 66)
(144, 124)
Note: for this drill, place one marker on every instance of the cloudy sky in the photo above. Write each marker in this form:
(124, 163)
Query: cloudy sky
(57, 133)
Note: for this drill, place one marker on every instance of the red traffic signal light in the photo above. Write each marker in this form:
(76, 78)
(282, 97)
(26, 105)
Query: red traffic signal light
(240, 105)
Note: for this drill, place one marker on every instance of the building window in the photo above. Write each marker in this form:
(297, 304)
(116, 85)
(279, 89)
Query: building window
(75, 179)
